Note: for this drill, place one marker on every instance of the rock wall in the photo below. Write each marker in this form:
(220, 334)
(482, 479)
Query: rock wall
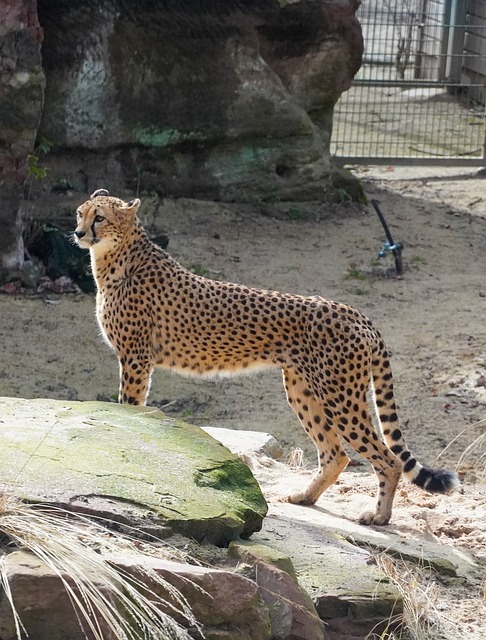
(218, 99)
(222, 99)
(21, 93)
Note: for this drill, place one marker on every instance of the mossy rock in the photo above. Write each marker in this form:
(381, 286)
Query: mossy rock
(129, 465)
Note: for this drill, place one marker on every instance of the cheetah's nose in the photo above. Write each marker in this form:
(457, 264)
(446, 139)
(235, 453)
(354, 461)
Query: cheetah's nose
(80, 234)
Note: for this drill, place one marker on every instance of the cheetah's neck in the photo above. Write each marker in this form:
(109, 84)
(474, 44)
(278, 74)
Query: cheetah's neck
(113, 265)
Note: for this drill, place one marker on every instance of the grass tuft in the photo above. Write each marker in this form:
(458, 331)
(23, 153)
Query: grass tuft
(419, 619)
(105, 599)
(473, 458)
(296, 460)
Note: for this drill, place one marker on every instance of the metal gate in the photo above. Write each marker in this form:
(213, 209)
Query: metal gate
(419, 97)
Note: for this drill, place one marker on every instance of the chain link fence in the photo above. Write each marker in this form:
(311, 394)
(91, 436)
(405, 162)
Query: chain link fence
(419, 97)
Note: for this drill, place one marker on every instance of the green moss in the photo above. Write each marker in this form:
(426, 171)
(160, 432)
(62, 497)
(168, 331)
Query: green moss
(132, 461)
(250, 155)
(252, 552)
(154, 137)
(226, 475)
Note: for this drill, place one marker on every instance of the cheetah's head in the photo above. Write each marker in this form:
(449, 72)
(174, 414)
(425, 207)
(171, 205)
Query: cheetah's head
(103, 221)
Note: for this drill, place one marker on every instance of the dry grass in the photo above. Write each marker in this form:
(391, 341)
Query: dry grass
(475, 455)
(296, 460)
(419, 619)
(473, 459)
(106, 600)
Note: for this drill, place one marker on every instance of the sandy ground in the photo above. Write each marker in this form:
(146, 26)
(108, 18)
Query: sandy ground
(451, 607)
(433, 317)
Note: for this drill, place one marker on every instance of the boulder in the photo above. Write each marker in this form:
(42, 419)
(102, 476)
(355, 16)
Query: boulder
(135, 467)
(41, 601)
(131, 465)
(347, 588)
(21, 95)
(226, 606)
(218, 100)
(292, 612)
(253, 442)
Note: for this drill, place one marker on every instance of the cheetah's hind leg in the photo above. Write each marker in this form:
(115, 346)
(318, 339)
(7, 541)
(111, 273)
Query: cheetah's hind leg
(332, 457)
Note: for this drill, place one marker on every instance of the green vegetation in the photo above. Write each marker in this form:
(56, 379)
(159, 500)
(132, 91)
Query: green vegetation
(356, 274)
(199, 270)
(37, 171)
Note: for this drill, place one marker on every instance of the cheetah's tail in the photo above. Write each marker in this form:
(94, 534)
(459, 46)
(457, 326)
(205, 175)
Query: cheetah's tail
(431, 480)
(434, 480)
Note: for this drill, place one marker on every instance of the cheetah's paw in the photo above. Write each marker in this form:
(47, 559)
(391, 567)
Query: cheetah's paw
(370, 517)
(299, 498)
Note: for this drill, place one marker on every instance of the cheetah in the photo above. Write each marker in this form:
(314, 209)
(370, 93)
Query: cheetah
(336, 368)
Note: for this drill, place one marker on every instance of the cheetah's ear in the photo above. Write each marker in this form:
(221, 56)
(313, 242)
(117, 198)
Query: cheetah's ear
(99, 192)
(132, 206)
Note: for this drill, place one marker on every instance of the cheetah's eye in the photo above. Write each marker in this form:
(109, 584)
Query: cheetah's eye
(99, 218)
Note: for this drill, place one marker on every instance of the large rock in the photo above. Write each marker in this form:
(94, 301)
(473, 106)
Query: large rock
(226, 605)
(21, 95)
(229, 606)
(255, 442)
(41, 601)
(220, 99)
(132, 465)
(331, 556)
(292, 612)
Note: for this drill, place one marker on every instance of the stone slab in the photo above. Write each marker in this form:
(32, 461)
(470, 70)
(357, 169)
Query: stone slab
(133, 465)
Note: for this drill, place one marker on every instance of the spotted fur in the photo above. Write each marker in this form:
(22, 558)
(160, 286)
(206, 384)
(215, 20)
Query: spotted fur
(154, 312)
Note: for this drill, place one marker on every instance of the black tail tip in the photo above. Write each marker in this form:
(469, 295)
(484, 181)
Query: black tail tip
(437, 480)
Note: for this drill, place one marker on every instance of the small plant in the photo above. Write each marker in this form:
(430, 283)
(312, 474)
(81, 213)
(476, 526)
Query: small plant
(473, 458)
(476, 452)
(355, 274)
(296, 460)
(213, 274)
(199, 269)
(35, 170)
(343, 196)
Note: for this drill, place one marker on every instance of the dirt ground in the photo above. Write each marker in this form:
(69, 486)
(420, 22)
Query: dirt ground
(433, 318)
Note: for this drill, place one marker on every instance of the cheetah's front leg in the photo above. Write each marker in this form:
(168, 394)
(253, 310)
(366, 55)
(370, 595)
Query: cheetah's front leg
(134, 380)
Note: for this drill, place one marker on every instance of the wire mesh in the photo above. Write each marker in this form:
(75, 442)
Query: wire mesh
(419, 97)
